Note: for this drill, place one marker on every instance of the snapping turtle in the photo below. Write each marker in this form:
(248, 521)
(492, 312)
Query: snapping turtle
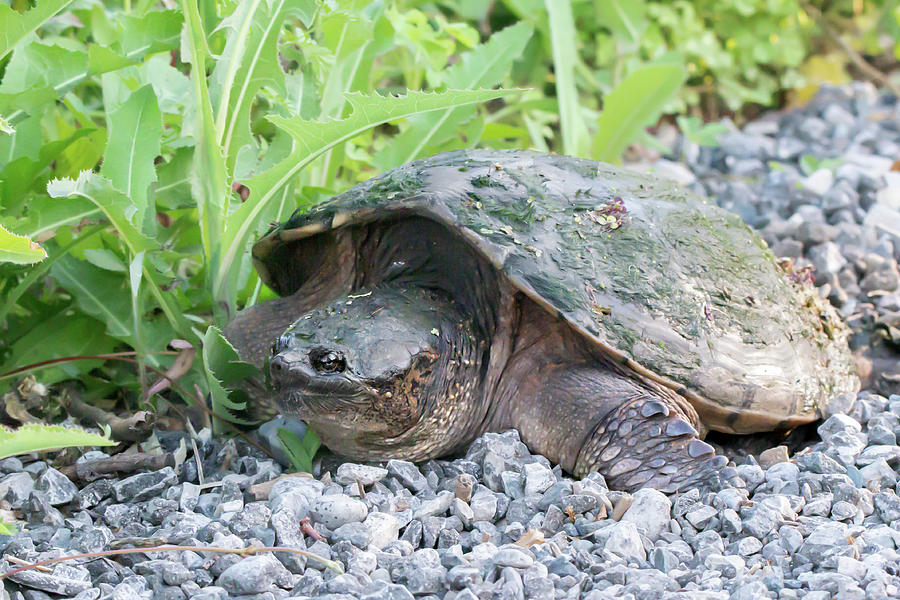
(609, 317)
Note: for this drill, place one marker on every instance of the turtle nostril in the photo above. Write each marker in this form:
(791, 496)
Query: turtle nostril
(277, 366)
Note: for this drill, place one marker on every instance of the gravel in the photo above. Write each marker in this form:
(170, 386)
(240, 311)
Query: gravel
(814, 521)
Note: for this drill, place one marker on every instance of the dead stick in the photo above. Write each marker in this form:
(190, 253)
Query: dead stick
(119, 463)
(135, 428)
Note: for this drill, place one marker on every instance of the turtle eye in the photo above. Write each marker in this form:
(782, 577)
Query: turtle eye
(328, 361)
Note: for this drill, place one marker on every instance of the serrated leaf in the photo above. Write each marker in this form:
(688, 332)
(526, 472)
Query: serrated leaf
(135, 129)
(16, 26)
(311, 139)
(21, 175)
(222, 367)
(49, 214)
(483, 67)
(634, 104)
(116, 206)
(19, 249)
(38, 64)
(98, 293)
(249, 62)
(563, 40)
(39, 437)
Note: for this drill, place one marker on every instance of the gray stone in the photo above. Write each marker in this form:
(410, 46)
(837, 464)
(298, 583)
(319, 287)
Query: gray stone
(838, 423)
(144, 486)
(407, 474)
(255, 575)
(887, 506)
(772, 456)
(513, 557)
(56, 487)
(890, 454)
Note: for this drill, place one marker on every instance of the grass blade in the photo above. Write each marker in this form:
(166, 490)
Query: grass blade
(635, 103)
(563, 40)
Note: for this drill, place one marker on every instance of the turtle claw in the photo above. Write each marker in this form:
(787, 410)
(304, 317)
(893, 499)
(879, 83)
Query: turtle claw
(638, 445)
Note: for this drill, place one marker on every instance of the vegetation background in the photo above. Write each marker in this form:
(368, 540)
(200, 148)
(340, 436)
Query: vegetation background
(145, 144)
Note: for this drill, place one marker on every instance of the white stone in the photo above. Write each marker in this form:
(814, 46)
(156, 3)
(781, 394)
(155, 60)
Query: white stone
(538, 478)
(435, 506)
(625, 541)
(889, 196)
(463, 512)
(349, 473)
(384, 528)
(819, 182)
(650, 511)
(337, 509)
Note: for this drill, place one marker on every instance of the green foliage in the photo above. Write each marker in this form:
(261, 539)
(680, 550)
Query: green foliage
(224, 369)
(301, 452)
(19, 249)
(38, 438)
(633, 105)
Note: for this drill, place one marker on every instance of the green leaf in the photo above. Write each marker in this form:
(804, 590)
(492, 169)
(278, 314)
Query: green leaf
(563, 40)
(104, 259)
(156, 31)
(485, 66)
(39, 437)
(6, 128)
(60, 336)
(117, 207)
(103, 60)
(15, 26)
(624, 18)
(300, 451)
(702, 134)
(312, 138)
(20, 176)
(135, 129)
(222, 367)
(635, 103)
(249, 61)
(209, 181)
(49, 214)
(19, 249)
(98, 293)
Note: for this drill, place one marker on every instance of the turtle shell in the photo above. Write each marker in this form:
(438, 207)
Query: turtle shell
(678, 290)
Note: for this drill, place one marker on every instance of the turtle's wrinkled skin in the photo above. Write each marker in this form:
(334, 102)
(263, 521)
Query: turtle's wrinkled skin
(610, 317)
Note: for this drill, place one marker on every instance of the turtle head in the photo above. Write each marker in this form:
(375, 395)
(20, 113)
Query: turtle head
(369, 372)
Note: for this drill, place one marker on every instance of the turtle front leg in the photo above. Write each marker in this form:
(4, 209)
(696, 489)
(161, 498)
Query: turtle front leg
(591, 419)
